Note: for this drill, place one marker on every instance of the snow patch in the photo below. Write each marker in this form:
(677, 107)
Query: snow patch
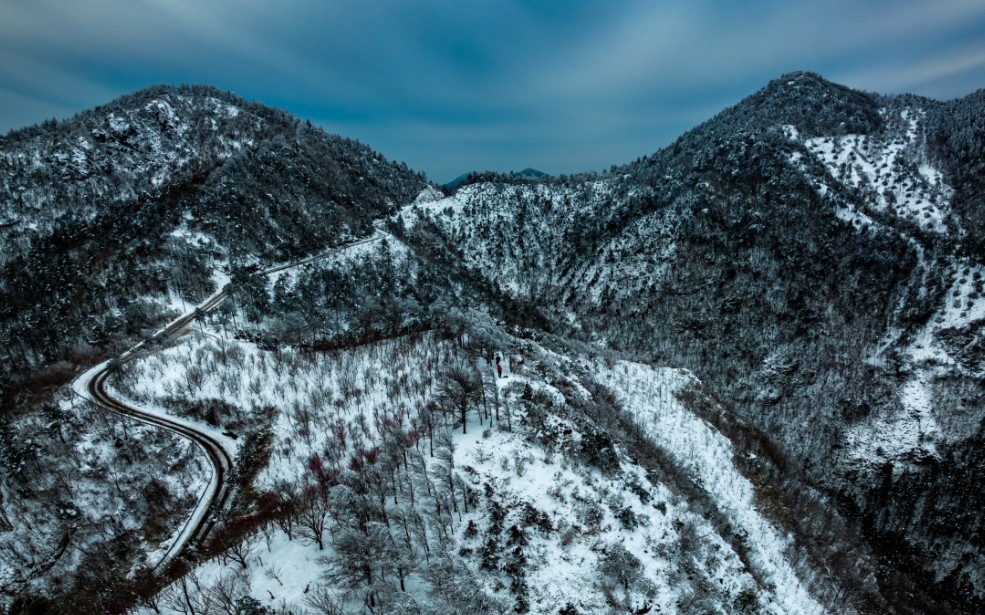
(886, 173)
(650, 395)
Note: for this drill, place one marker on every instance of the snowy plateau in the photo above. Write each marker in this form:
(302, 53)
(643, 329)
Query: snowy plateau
(253, 368)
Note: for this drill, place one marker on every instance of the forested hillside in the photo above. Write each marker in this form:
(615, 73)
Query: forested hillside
(812, 254)
(141, 195)
(741, 374)
(110, 223)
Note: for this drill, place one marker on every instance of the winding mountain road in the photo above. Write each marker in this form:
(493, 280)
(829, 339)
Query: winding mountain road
(219, 449)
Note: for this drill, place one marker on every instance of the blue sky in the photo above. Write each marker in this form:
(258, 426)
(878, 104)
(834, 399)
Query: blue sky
(455, 85)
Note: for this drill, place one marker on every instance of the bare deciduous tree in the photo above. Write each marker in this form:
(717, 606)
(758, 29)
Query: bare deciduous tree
(312, 518)
(458, 389)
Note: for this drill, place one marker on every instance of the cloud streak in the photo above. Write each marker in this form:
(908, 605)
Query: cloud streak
(447, 87)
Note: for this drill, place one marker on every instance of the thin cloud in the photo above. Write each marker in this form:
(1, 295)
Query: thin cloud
(936, 72)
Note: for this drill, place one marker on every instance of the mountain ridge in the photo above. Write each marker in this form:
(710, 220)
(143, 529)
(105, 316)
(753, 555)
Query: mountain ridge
(806, 259)
(754, 252)
(249, 178)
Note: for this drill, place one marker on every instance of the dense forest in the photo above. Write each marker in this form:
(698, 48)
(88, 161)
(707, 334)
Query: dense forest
(772, 327)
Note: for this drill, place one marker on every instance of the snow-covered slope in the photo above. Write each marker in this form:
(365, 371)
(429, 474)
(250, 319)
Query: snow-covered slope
(109, 222)
(883, 172)
(743, 374)
(806, 254)
(531, 512)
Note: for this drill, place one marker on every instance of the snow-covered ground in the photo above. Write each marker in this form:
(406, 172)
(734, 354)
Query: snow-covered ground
(650, 395)
(106, 481)
(895, 177)
(925, 422)
(566, 525)
(520, 237)
(560, 530)
(891, 173)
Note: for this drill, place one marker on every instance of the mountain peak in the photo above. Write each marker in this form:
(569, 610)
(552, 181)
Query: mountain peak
(802, 78)
(528, 173)
(814, 105)
(805, 100)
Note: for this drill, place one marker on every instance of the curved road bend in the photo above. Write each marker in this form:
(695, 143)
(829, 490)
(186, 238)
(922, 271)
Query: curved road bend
(91, 385)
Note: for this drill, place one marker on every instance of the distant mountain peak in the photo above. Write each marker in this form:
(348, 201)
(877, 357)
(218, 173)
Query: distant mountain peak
(474, 176)
(533, 173)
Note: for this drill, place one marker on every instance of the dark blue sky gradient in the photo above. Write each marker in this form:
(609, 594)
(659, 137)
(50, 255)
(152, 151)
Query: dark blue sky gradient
(451, 86)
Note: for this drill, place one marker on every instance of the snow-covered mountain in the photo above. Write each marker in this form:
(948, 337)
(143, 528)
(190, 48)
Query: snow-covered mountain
(814, 256)
(109, 223)
(744, 374)
(102, 206)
